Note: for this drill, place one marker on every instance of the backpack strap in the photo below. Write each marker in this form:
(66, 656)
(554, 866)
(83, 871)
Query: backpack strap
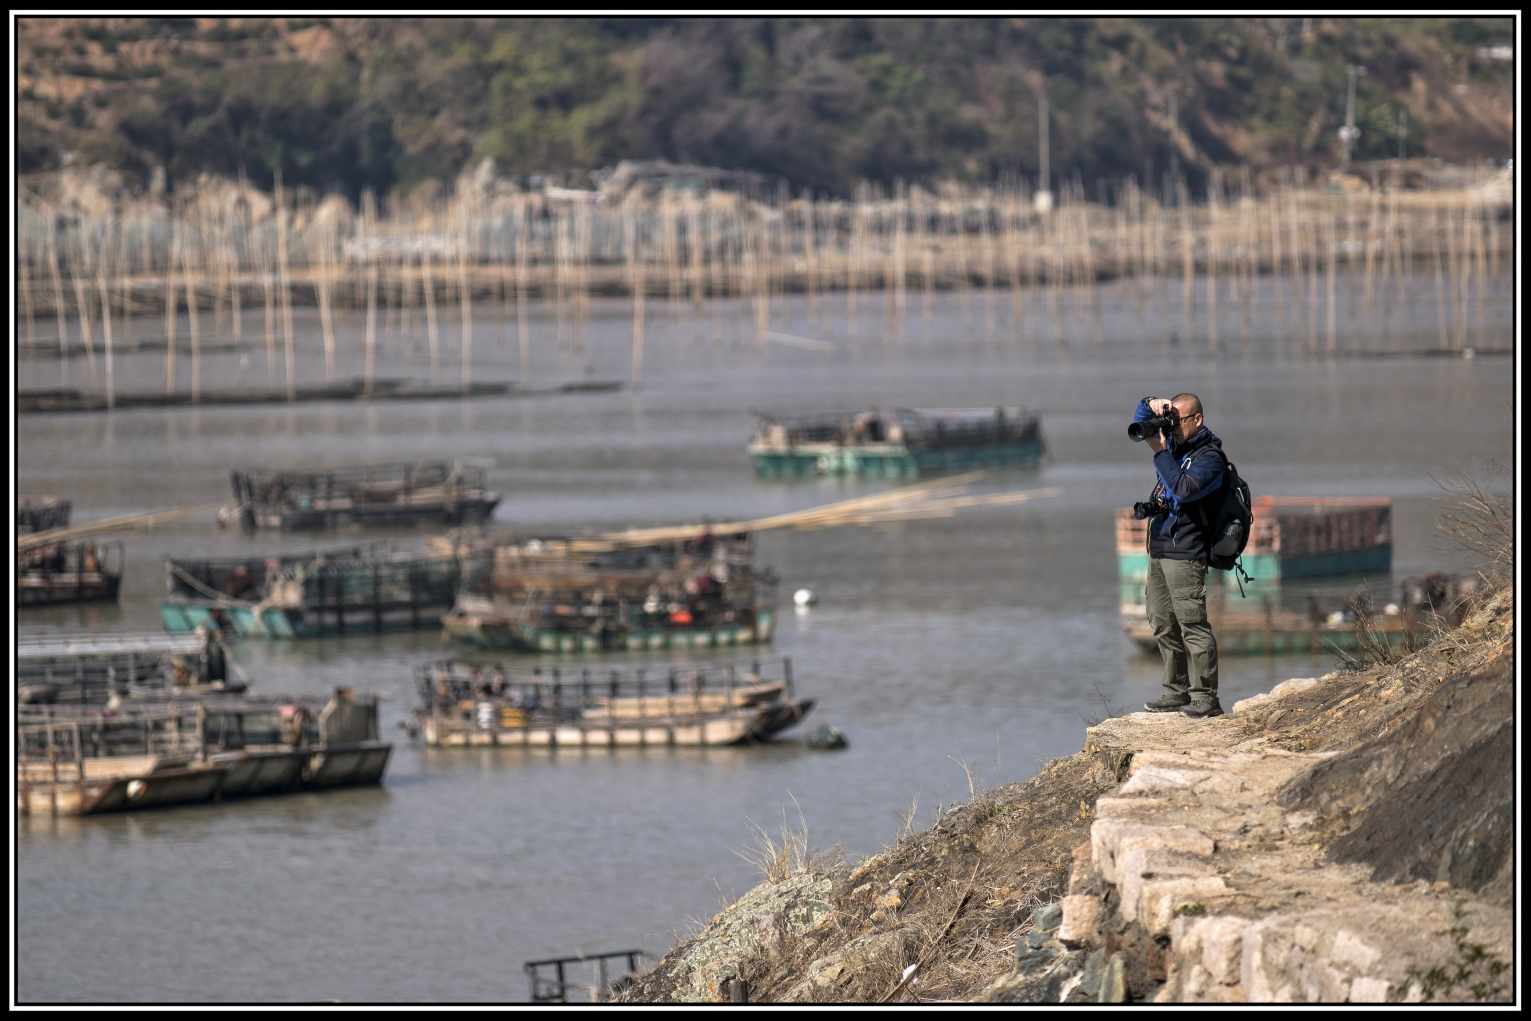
(1201, 505)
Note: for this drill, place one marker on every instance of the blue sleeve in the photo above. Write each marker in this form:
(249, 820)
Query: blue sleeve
(1144, 413)
(1184, 486)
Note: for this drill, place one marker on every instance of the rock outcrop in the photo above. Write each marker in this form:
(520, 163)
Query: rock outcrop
(1342, 838)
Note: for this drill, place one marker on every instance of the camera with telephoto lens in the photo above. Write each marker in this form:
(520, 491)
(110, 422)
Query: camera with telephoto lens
(1165, 423)
(1149, 509)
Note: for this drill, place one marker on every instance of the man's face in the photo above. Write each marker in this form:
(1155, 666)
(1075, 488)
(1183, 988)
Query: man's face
(1188, 423)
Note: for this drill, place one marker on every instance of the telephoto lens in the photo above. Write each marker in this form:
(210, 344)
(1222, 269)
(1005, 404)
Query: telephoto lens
(1140, 431)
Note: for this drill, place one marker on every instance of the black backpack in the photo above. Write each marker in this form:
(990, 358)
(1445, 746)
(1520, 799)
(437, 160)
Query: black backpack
(1227, 528)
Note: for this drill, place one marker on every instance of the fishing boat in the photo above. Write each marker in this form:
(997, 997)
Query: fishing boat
(561, 594)
(381, 586)
(699, 704)
(41, 514)
(391, 494)
(894, 444)
(68, 572)
(1309, 563)
(101, 669)
(84, 760)
(1291, 538)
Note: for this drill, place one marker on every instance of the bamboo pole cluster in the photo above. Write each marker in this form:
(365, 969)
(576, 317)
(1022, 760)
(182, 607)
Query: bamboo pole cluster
(1324, 262)
(938, 498)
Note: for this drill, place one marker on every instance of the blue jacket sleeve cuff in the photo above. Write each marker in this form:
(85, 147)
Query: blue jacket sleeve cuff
(1143, 413)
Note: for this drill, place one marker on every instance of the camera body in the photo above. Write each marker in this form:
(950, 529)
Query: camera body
(1149, 509)
(1165, 423)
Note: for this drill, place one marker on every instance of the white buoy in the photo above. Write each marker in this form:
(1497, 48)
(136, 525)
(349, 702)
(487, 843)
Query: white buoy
(804, 597)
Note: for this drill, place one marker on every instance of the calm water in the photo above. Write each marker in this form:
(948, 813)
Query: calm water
(981, 639)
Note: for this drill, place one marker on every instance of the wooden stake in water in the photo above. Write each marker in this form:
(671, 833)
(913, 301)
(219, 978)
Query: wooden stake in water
(268, 287)
(58, 303)
(1187, 261)
(466, 297)
(523, 229)
(429, 285)
(106, 329)
(285, 284)
(189, 276)
(79, 266)
(1214, 241)
(326, 281)
(637, 283)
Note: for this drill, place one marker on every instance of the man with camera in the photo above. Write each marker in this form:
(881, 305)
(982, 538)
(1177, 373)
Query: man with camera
(1189, 465)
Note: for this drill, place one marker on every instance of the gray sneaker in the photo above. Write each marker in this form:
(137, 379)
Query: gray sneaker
(1202, 710)
(1168, 704)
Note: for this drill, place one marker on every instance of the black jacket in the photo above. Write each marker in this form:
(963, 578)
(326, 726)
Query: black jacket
(1184, 481)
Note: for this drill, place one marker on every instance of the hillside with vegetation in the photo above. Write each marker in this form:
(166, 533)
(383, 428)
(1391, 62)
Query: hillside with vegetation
(343, 104)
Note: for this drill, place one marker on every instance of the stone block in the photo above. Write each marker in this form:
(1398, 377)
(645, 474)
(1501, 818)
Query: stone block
(1047, 917)
(1113, 838)
(1081, 920)
(1160, 899)
(1370, 990)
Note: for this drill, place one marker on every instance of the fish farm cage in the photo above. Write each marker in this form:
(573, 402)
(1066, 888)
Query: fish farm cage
(390, 494)
(374, 587)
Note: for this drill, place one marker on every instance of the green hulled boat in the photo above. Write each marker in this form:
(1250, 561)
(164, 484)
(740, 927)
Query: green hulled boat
(906, 442)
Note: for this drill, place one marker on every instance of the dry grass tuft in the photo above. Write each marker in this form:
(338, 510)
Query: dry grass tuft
(781, 857)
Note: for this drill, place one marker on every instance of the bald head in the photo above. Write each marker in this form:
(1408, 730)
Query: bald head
(1187, 405)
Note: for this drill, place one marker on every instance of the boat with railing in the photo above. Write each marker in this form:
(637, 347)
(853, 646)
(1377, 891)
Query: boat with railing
(85, 760)
(383, 586)
(81, 571)
(568, 594)
(904, 442)
(464, 703)
(388, 494)
(99, 669)
(1310, 563)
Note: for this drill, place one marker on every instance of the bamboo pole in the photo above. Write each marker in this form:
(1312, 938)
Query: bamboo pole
(465, 296)
(635, 264)
(1011, 207)
(1331, 266)
(125, 294)
(852, 262)
(433, 337)
(268, 289)
(58, 303)
(1188, 260)
(78, 266)
(1440, 281)
(523, 228)
(106, 325)
(1214, 243)
(188, 277)
(26, 289)
(325, 283)
(284, 282)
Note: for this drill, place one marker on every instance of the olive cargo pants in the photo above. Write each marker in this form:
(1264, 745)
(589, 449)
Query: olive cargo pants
(1177, 611)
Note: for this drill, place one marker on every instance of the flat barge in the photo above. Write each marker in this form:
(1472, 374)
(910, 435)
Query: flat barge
(78, 760)
(464, 704)
(393, 494)
(895, 444)
(377, 587)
